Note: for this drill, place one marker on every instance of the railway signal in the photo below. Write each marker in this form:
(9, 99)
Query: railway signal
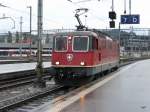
(112, 24)
(112, 16)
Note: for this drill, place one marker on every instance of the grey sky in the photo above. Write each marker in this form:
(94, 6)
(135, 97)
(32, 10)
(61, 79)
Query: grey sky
(60, 13)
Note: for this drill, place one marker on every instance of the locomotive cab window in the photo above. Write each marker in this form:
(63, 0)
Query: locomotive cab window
(61, 43)
(80, 43)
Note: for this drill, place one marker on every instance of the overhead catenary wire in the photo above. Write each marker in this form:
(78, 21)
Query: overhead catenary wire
(90, 10)
(80, 1)
(49, 20)
(26, 12)
(2, 5)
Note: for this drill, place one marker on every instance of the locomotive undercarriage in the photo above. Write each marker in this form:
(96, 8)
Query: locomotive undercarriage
(73, 76)
(80, 75)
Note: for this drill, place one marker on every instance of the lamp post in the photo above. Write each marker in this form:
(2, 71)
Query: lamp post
(21, 18)
(30, 27)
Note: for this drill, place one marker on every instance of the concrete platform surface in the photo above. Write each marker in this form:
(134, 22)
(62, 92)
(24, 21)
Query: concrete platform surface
(10, 68)
(128, 90)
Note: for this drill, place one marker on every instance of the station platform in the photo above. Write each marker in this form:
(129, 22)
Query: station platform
(10, 68)
(127, 90)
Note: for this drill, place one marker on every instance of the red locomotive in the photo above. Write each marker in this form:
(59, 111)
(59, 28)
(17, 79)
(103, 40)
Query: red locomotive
(79, 56)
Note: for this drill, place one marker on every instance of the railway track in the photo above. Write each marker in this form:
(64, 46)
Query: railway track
(9, 80)
(31, 101)
(4, 82)
(20, 81)
(47, 97)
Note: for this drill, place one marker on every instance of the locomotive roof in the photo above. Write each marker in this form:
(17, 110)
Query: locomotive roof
(77, 33)
(85, 33)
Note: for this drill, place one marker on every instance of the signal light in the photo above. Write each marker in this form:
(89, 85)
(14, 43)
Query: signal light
(112, 24)
(112, 15)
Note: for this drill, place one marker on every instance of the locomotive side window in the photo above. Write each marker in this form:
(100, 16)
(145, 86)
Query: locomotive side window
(60, 43)
(95, 44)
(104, 44)
(80, 44)
(110, 45)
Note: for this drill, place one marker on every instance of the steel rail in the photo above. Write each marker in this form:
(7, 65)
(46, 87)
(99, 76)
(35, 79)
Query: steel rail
(18, 82)
(29, 98)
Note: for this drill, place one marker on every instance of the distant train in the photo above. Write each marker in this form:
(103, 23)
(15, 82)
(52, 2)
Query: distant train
(78, 56)
(23, 52)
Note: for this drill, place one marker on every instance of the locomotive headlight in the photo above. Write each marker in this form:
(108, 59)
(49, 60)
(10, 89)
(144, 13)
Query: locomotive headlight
(69, 38)
(57, 63)
(82, 63)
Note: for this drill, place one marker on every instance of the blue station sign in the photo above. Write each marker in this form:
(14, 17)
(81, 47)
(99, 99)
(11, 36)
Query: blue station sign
(130, 19)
